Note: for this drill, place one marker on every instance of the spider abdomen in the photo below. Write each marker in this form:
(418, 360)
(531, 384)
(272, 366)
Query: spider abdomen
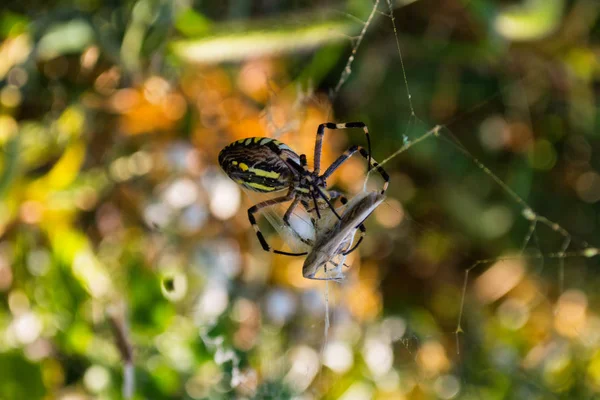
(259, 164)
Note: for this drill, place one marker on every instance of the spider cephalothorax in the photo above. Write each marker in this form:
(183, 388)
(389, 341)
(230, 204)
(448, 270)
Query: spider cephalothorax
(267, 165)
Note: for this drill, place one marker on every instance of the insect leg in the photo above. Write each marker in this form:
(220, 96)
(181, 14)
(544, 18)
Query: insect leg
(363, 232)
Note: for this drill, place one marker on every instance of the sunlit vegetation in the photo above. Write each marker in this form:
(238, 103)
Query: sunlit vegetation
(128, 266)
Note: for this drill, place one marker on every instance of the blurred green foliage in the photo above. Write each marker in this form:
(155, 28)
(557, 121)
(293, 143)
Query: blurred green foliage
(127, 264)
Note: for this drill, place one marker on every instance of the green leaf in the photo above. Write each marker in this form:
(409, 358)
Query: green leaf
(192, 23)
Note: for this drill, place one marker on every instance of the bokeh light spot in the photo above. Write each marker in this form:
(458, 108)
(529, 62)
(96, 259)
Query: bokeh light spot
(338, 357)
(432, 358)
(27, 327)
(96, 378)
(499, 279)
(513, 314)
(496, 221)
(10, 96)
(571, 313)
(378, 355)
(390, 214)
(225, 199)
(447, 387)
(305, 365)
(212, 303)
(18, 303)
(181, 193)
(588, 187)
(494, 133)
(543, 155)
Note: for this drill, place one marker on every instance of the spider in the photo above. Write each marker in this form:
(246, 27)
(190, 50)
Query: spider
(267, 165)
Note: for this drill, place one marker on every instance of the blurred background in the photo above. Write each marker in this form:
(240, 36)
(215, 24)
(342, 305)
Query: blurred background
(128, 267)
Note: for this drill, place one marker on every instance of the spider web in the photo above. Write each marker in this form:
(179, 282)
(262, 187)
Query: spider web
(543, 242)
(568, 247)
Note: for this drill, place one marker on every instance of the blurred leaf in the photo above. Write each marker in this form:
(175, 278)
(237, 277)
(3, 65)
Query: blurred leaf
(72, 248)
(192, 23)
(65, 38)
(66, 169)
(143, 15)
(258, 43)
(534, 19)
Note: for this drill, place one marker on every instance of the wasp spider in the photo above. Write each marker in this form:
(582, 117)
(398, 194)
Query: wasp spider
(267, 165)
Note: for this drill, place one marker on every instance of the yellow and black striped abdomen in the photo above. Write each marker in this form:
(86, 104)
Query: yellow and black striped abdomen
(257, 164)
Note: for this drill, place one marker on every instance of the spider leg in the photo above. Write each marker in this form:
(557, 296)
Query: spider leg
(288, 215)
(314, 197)
(267, 203)
(323, 195)
(290, 210)
(331, 125)
(347, 154)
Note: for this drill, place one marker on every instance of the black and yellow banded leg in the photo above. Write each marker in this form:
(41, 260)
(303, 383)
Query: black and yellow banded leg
(347, 154)
(331, 125)
(267, 203)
